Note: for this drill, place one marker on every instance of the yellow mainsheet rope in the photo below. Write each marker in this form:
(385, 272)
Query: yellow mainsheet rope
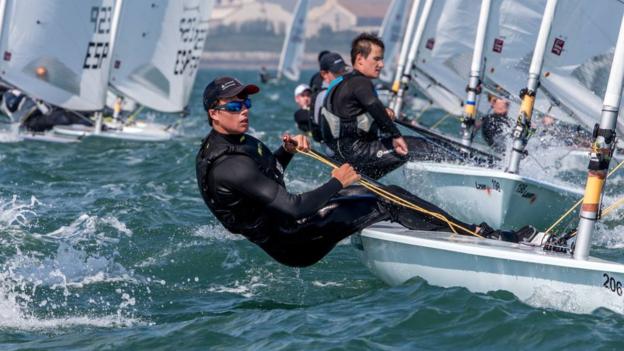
(392, 197)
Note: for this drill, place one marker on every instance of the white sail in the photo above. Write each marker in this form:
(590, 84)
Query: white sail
(449, 34)
(392, 31)
(157, 53)
(59, 51)
(294, 44)
(510, 40)
(582, 34)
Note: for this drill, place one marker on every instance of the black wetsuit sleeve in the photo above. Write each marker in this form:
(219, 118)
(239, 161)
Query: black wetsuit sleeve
(364, 93)
(283, 156)
(241, 174)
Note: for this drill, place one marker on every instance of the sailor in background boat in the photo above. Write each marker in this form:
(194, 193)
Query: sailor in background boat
(242, 183)
(11, 101)
(332, 66)
(316, 81)
(495, 126)
(117, 107)
(362, 128)
(35, 115)
(302, 115)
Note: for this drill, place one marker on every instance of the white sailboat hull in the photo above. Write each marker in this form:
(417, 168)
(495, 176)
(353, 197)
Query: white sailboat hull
(137, 131)
(11, 133)
(539, 278)
(503, 200)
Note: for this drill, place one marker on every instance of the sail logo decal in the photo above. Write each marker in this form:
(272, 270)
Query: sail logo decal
(97, 50)
(7, 56)
(430, 43)
(498, 45)
(488, 189)
(192, 30)
(557, 48)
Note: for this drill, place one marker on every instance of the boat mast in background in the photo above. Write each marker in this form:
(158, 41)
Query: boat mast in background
(407, 70)
(394, 32)
(470, 105)
(523, 124)
(602, 150)
(408, 37)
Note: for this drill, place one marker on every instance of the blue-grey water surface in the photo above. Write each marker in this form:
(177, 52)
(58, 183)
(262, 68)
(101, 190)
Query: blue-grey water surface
(107, 245)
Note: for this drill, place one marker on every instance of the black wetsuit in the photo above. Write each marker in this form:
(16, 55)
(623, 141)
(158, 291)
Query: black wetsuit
(494, 128)
(241, 182)
(315, 120)
(302, 118)
(40, 122)
(370, 153)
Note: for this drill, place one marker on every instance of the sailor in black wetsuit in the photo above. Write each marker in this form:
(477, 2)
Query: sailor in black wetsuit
(332, 67)
(495, 126)
(242, 183)
(356, 118)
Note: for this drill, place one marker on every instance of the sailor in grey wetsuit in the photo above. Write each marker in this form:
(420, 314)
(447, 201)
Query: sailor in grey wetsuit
(242, 183)
(361, 126)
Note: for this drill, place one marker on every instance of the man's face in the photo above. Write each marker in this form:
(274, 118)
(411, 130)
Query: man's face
(500, 106)
(228, 122)
(304, 99)
(372, 65)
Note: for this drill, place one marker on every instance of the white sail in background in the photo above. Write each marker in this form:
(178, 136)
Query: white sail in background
(583, 32)
(510, 40)
(157, 54)
(294, 44)
(449, 33)
(391, 33)
(59, 51)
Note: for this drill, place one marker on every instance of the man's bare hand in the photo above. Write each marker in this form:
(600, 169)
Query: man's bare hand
(298, 142)
(391, 113)
(346, 175)
(400, 146)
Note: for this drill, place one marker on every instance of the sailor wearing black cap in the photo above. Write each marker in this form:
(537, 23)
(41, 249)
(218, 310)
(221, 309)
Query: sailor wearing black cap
(242, 183)
(332, 67)
(316, 80)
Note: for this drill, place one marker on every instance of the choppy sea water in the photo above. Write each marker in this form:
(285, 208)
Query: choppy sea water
(108, 245)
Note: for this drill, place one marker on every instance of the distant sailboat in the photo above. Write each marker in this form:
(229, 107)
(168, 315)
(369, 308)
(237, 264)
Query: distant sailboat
(58, 52)
(294, 44)
(154, 63)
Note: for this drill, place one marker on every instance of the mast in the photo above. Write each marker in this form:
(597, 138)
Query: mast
(405, 46)
(602, 150)
(472, 90)
(113, 37)
(523, 123)
(407, 71)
